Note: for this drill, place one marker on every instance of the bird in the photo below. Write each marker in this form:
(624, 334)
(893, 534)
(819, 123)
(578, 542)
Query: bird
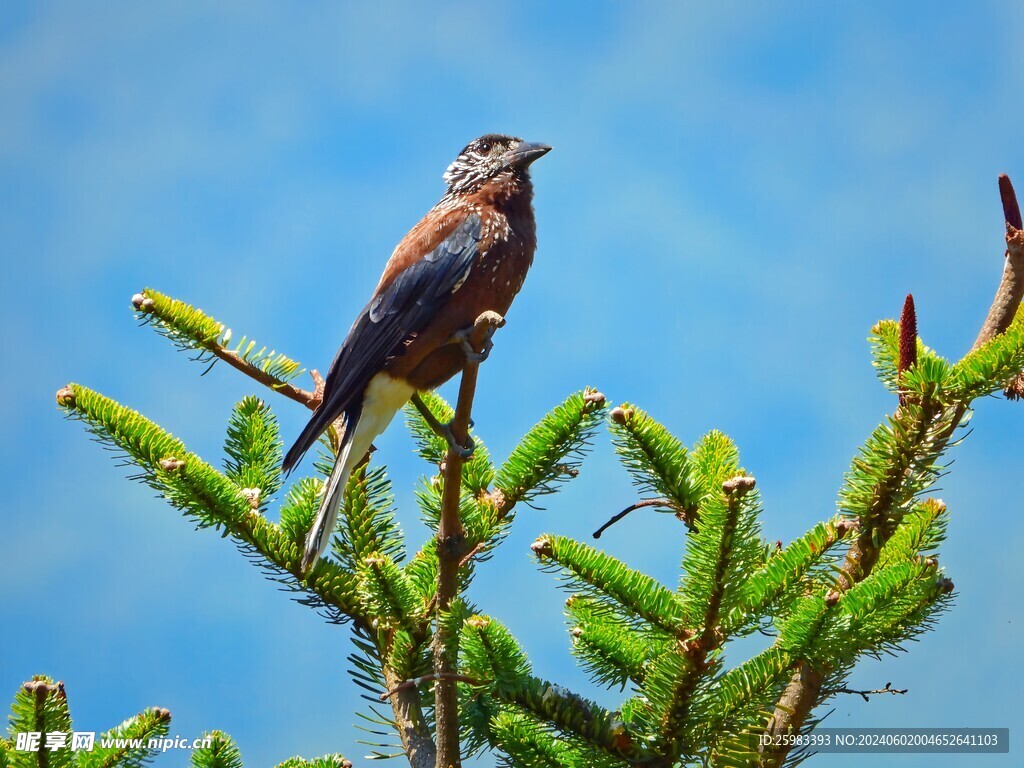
(469, 254)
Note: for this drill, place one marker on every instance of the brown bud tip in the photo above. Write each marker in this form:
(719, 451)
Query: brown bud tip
(843, 527)
(478, 622)
(1011, 210)
(833, 597)
(594, 398)
(162, 713)
(1015, 391)
(40, 688)
(931, 562)
(621, 415)
(252, 495)
(496, 497)
(171, 464)
(739, 485)
(576, 632)
(137, 300)
(66, 397)
(778, 545)
(946, 585)
(541, 547)
(147, 304)
(346, 763)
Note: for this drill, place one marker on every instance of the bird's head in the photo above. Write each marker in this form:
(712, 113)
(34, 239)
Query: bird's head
(489, 157)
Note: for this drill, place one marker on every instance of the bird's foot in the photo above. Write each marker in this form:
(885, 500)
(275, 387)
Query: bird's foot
(465, 451)
(444, 429)
(480, 334)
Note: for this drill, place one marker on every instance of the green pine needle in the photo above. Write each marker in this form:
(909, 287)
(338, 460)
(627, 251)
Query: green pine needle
(656, 459)
(201, 492)
(634, 592)
(253, 448)
(191, 329)
(550, 453)
(221, 753)
(151, 724)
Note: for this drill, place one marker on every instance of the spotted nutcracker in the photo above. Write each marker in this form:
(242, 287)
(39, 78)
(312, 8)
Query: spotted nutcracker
(469, 254)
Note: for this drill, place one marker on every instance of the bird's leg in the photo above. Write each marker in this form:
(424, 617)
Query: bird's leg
(442, 428)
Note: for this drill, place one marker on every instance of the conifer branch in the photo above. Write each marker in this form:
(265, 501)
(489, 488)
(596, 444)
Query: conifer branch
(632, 590)
(935, 426)
(190, 328)
(451, 548)
(196, 488)
(222, 752)
(489, 651)
(699, 650)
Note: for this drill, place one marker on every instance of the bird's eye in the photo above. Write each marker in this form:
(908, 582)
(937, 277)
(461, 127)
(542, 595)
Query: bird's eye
(485, 147)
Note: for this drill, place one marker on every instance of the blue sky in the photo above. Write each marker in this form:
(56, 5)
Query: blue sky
(736, 194)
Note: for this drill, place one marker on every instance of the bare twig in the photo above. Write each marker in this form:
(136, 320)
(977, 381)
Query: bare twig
(451, 548)
(309, 399)
(416, 682)
(866, 694)
(805, 686)
(640, 505)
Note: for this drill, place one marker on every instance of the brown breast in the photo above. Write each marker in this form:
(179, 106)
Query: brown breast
(506, 250)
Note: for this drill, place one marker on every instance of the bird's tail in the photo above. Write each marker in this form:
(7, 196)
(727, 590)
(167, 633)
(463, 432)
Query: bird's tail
(334, 494)
(381, 401)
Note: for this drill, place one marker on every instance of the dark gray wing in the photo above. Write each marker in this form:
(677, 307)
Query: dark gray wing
(393, 316)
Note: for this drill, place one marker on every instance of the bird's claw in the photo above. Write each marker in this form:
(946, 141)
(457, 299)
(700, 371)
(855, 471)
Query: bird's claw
(463, 337)
(465, 451)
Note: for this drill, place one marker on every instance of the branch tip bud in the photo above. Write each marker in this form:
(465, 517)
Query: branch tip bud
(843, 527)
(621, 415)
(66, 397)
(542, 547)
(171, 464)
(738, 486)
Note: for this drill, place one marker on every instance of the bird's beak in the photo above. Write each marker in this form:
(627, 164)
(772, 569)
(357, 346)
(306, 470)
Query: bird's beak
(523, 154)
